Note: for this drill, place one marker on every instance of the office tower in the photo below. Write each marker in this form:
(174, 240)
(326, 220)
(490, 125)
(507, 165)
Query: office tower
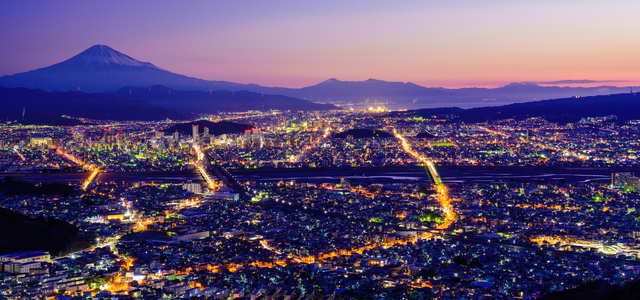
(109, 138)
(194, 128)
(78, 136)
(193, 187)
(626, 180)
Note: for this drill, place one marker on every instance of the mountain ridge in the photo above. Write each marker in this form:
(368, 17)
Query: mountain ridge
(100, 68)
(153, 103)
(32, 104)
(564, 110)
(215, 101)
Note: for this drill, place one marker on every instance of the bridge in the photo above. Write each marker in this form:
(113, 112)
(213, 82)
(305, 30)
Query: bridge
(430, 166)
(434, 173)
(94, 169)
(203, 165)
(443, 193)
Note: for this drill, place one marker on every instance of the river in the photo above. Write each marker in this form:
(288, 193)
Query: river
(378, 175)
(464, 175)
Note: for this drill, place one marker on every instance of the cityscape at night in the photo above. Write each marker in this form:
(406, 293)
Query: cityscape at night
(120, 179)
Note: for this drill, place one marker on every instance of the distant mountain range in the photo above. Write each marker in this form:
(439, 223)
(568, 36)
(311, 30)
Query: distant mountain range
(32, 105)
(569, 110)
(214, 101)
(154, 103)
(103, 69)
(372, 90)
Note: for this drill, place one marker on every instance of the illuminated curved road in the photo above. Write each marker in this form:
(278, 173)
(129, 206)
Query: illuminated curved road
(443, 193)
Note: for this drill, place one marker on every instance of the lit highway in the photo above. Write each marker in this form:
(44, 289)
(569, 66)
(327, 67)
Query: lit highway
(198, 163)
(19, 154)
(94, 170)
(443, 194)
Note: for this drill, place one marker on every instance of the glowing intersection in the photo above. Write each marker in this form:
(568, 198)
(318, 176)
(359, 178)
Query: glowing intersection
(94, 170)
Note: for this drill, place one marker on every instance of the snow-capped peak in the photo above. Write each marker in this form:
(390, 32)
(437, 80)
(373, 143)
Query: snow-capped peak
(105, 56)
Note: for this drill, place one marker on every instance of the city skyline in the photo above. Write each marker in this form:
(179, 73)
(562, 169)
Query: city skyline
(343, 204)
(260, 150)
(296, 45)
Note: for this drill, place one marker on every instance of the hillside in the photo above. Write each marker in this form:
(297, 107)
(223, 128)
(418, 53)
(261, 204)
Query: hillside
(21, 233)
(36, 104)
(215, 101)
(595, 290)
(569, 110)
(425, 135)
(363, 134)
(13, 186)
(51, 120)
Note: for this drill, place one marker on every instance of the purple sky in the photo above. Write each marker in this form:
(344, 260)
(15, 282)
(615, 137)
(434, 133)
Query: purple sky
(300, 43)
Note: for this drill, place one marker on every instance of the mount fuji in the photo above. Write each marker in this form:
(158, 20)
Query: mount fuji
(100, 69)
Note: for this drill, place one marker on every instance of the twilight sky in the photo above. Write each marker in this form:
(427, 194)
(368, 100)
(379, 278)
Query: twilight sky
(447, 43)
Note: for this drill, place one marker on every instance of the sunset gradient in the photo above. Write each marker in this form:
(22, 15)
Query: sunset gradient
(300, 43)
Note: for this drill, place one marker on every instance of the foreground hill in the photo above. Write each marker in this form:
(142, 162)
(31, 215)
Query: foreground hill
(595, 290)
(570, 110)
(215, 101)
(215, 128)
(21, 233)
(51, 120)
(12, 186)
(17, 103)
(363, 134)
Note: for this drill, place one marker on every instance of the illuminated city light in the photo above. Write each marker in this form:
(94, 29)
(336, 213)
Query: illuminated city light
(93, 176)
(19, 154)
(401, 217)
(203, 172)
(443, 198)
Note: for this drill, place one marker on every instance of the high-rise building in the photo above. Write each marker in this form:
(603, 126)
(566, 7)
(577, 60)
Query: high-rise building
(159, 134)
(107, 135)
(195, 188)
(625, 179)
(39, 141)
(176, 136)
(195, 128)
(78, 136)
(109, 138)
